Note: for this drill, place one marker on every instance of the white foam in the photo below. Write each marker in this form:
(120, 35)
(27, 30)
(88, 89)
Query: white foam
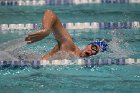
(129, 61)
(138, 61)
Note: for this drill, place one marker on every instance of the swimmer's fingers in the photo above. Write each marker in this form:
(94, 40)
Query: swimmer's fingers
(36, 37)
(41, 32)
(27, 39)
(32, 39)
(34, 34)
(29, 42)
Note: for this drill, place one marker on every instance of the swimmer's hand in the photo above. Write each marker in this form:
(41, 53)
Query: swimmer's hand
(36, 36)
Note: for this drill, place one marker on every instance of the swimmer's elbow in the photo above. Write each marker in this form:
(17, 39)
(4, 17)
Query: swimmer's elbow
(49, 11)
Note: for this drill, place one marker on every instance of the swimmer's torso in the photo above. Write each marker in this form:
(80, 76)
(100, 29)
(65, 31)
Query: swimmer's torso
(60, 55)
(66, 50)
(70, 47)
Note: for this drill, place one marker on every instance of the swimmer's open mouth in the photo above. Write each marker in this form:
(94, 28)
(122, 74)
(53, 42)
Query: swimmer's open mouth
(87, 54)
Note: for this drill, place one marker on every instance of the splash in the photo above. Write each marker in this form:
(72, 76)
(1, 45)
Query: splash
(12, 50)
(25, 54)
(12, 45)
(63, 55)
(6, 56)
(118, 47)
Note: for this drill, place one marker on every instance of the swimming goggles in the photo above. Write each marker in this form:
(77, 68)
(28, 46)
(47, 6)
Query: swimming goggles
(95, 48)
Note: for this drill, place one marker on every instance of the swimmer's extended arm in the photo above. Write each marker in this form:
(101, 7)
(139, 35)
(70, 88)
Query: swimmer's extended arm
(37, 36)
(50, 22)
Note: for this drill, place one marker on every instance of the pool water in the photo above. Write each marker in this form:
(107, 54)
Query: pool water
(123, 43)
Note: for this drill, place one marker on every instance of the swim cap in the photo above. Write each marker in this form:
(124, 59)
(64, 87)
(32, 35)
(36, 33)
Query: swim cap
(102, 44)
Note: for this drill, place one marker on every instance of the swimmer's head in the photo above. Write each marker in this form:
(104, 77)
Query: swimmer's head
(93, 48)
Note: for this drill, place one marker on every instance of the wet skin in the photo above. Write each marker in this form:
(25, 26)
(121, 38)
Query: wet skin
(51, 23)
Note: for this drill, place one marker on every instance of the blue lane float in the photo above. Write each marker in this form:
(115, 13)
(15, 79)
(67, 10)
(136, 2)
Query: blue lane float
(8, 3)
(116, 1)
(78, 62)
(78, 25)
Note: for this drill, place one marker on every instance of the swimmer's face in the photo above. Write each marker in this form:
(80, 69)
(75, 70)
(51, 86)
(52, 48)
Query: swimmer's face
(89, 50)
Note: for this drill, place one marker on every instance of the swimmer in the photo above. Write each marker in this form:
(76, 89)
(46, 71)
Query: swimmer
(51, 23)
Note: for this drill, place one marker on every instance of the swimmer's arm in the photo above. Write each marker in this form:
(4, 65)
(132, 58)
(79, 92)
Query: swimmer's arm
(37, 36)
(50, 53)
(48, 22)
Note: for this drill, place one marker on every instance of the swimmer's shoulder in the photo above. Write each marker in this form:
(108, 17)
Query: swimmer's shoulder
(63, 55)
(71, 48)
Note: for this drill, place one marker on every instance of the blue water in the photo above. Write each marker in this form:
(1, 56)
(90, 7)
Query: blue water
(73, 79)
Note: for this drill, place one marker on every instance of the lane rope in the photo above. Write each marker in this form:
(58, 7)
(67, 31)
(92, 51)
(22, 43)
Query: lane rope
(62, 2)
(78, 25)
(78, 62)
